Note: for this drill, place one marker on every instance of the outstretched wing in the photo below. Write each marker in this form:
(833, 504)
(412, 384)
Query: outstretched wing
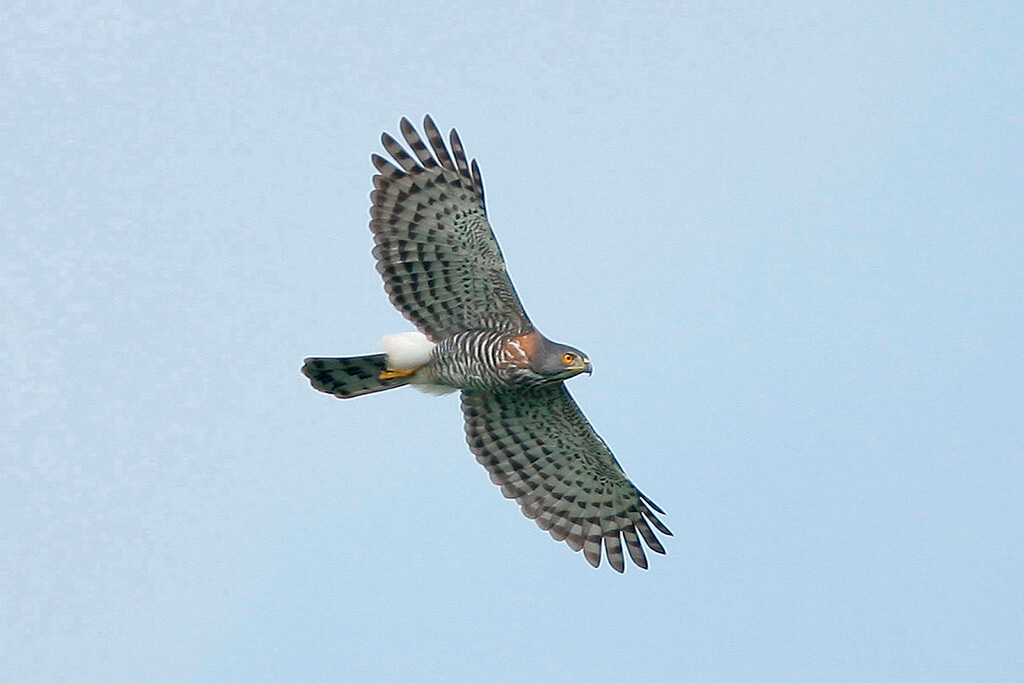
(441, 265)
(540, 449)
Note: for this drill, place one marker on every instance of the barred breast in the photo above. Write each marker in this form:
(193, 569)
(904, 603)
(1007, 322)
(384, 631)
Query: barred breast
(486, 360)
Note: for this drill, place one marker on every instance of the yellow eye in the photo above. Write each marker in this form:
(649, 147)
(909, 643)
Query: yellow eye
(568, 358)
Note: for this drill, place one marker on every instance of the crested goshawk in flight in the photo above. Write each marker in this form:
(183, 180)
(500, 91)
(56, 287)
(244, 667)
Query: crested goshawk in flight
(444, 271)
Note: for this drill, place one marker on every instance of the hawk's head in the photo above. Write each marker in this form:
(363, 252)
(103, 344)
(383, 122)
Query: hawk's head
(535, 359)
(555, 362)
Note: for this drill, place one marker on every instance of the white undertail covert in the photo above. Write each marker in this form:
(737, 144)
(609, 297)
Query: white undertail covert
(406, 350)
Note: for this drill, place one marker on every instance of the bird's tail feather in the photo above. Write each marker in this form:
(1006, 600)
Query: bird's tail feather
(348, 377)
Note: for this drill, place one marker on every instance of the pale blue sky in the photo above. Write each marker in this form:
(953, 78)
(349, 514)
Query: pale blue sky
(790, 236)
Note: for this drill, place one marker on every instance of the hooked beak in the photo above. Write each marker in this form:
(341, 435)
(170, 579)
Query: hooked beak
(587, 367)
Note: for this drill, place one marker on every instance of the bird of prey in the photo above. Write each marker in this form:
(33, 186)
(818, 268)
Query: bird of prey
(443, 269)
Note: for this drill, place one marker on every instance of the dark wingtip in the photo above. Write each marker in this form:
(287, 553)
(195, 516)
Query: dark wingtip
(654, 506)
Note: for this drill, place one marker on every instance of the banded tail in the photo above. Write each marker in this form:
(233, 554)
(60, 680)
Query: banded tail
(349, 377)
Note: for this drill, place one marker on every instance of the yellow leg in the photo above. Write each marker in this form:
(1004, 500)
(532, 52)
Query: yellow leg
(394, 374)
